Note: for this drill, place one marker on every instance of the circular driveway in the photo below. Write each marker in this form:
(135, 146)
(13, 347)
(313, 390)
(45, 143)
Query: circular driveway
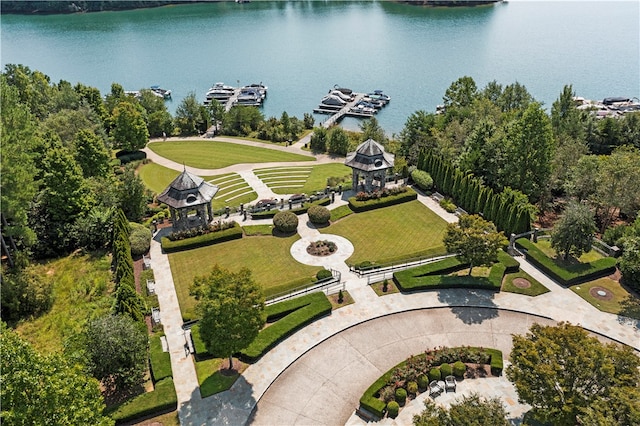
(324, 386)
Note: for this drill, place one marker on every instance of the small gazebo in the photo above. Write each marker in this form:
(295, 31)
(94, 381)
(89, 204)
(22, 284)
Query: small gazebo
(370, 162)
(189, 200)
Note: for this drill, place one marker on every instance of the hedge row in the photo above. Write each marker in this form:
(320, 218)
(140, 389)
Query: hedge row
(318, 307)
(298, 210)
(497, 364)
(160, 360)
(434, 275)
(363, 206)
(233, 233)
(129, 156)
(162, 399)
(570, 275)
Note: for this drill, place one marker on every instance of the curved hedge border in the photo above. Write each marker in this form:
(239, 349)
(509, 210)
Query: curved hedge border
(434, 275)
(571, 275)
(298, 211)
(160, 401)
(370, 402)
(363, 206)
(211, 238)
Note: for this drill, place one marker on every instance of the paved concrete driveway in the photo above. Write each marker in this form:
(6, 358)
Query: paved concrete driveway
(324, 385)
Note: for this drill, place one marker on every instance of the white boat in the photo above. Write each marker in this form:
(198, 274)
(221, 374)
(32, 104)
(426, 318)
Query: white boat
(332, 100)
(258, 86)
(249, 96)
(341, 95)
(220, 92)
(161, 93)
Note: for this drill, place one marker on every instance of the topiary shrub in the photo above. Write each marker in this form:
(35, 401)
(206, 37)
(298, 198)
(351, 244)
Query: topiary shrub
(445, 370)
(285, 222)
(392, 409)
(422, 179)
(423, 381)
(412, 388)
(319, 215)
(434, 374)
(323, 274)
(459, 369)
(401, 395)
(139, 239)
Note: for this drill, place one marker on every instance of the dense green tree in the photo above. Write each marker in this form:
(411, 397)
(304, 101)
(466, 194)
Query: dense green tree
(622, 409)
(416, 136)
(116, 351)
(630, 262)
(160, 124)
(68, 122)
(93, 231)
(46, 390)
(561, 371)
(308, 121)
(472, 410)
(242, 120)
(318, 141)
(34, 88)
(461, 93)
(131, 194)
(24, 293)
(514, 97)
(216, 112)
(492, 91)
(583, 177)
(93, 98)
(64, 97)
(371, 129)
(91, 153)
(568, 152)
(566, 119)
(474, 240)
(129, 130)
(573, 233)
(338, 141)
(231, 310)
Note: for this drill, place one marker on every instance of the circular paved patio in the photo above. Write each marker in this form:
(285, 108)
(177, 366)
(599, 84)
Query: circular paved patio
(324, 386)
(299, 250)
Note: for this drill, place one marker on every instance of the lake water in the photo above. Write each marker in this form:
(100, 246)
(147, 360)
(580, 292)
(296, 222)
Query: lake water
(302, 49)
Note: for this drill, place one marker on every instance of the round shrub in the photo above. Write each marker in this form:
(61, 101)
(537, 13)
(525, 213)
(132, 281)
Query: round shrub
(323, 274)
(401, 395)
(285, 222)
(458, 369)
(423, 381)
(412, 388)
(422, 179)
(139, 239)
(318, 215)
(392, 409)
(434, 374)
(445, 370)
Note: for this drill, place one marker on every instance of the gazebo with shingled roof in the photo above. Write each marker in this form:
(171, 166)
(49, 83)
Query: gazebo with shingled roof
(189, 200)
(371, 163)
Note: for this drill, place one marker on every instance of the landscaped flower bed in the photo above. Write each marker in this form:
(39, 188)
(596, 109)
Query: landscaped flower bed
(412, 376)
(322, 248)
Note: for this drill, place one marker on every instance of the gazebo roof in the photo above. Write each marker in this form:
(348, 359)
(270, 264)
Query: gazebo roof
(187, 190)
(370, 156)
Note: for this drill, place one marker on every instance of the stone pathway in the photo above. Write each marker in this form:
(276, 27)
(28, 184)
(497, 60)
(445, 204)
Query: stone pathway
(465, 310)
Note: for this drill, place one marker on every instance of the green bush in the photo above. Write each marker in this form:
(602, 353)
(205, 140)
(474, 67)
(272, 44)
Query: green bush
(496, 361)
(448, 205)
(459, 368)
(160, 361)
(129, 156)
(369, 401)
(319, 215)
(445, 370)
(412, 388)
(569, 275)
(401, 396)
(422, 179)
(285, 222)
(323, 274)
(392, 409)
(423, 381)
(233, 233)
(280, 330)
(376, 203)
(139, 239)
(298, 211)
(434, 374)
(162, 399)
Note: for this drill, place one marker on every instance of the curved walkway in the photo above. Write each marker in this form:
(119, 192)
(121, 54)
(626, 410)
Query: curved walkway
(464, 311)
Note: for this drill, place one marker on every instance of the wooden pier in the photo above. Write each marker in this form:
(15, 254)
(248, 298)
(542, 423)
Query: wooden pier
(345, 111)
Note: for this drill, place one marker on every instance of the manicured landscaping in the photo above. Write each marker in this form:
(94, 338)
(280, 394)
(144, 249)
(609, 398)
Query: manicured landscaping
(340, 212)
(544, 244)
(216, 155)
(162, 399)
(268, 258)
(610, 300)
(392, 233)
(257, 230)
(208, 239)
(379, 288)
(391, 199)
(294, 180)
(212, 380)
(566, 272)
(335, 300)
(535, 287)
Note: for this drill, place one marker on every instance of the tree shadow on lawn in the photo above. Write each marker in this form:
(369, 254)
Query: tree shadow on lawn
(470, 306)
(630, 312)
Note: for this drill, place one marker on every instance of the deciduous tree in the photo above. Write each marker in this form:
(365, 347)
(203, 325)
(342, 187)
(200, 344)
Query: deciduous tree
(472, 410)
(129, 130)
(231, 310)
(573, 233)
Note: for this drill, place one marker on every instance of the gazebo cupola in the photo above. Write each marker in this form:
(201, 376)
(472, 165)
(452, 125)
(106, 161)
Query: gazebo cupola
(189, 200)
(371, 163)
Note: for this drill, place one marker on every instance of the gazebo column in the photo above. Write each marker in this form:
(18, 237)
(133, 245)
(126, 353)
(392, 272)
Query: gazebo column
(368, 182)
(209, 213)
(355, 179)
(382, 177)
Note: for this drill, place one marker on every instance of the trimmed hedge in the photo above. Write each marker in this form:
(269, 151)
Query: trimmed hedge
(422, 179)
(363, 206)
(298, 211)
(318, 307)
(340, 212)
(570, 275)
(129, 156)
(511, 265)
(497, 363)
(369, 402)
(211, 238)
(160, 401)
(160, 361)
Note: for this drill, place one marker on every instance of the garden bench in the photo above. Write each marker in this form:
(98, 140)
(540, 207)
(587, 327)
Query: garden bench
(437, 196)
(435, 388)
(151, 286)
(449, 383)
(146, 262)
(155, 315)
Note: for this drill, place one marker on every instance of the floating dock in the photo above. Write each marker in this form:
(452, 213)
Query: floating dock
(337, 113)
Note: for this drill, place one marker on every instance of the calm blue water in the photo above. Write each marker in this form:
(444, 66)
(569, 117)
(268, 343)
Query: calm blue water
(301, 49)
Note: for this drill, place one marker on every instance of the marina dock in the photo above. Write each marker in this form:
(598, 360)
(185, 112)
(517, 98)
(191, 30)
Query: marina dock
(349, 109)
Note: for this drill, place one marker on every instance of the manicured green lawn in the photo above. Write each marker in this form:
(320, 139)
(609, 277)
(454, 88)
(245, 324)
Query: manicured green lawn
(216, 155)
(536, 288)
(392, 233)
(211, 380)
(544, 244)
(156, 177)
(281, 179)
(267, 257)
(615, 305)
(81, 287)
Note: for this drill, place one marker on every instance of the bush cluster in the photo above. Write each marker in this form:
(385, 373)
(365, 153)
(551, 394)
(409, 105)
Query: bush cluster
(323, 274)
(201, 230)
(285, 222)
(203, 240)
(422, 179)
(319, 215)
(140, 239)
(377, 194)
(448, 205)
(371, 203)
(129, 156)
